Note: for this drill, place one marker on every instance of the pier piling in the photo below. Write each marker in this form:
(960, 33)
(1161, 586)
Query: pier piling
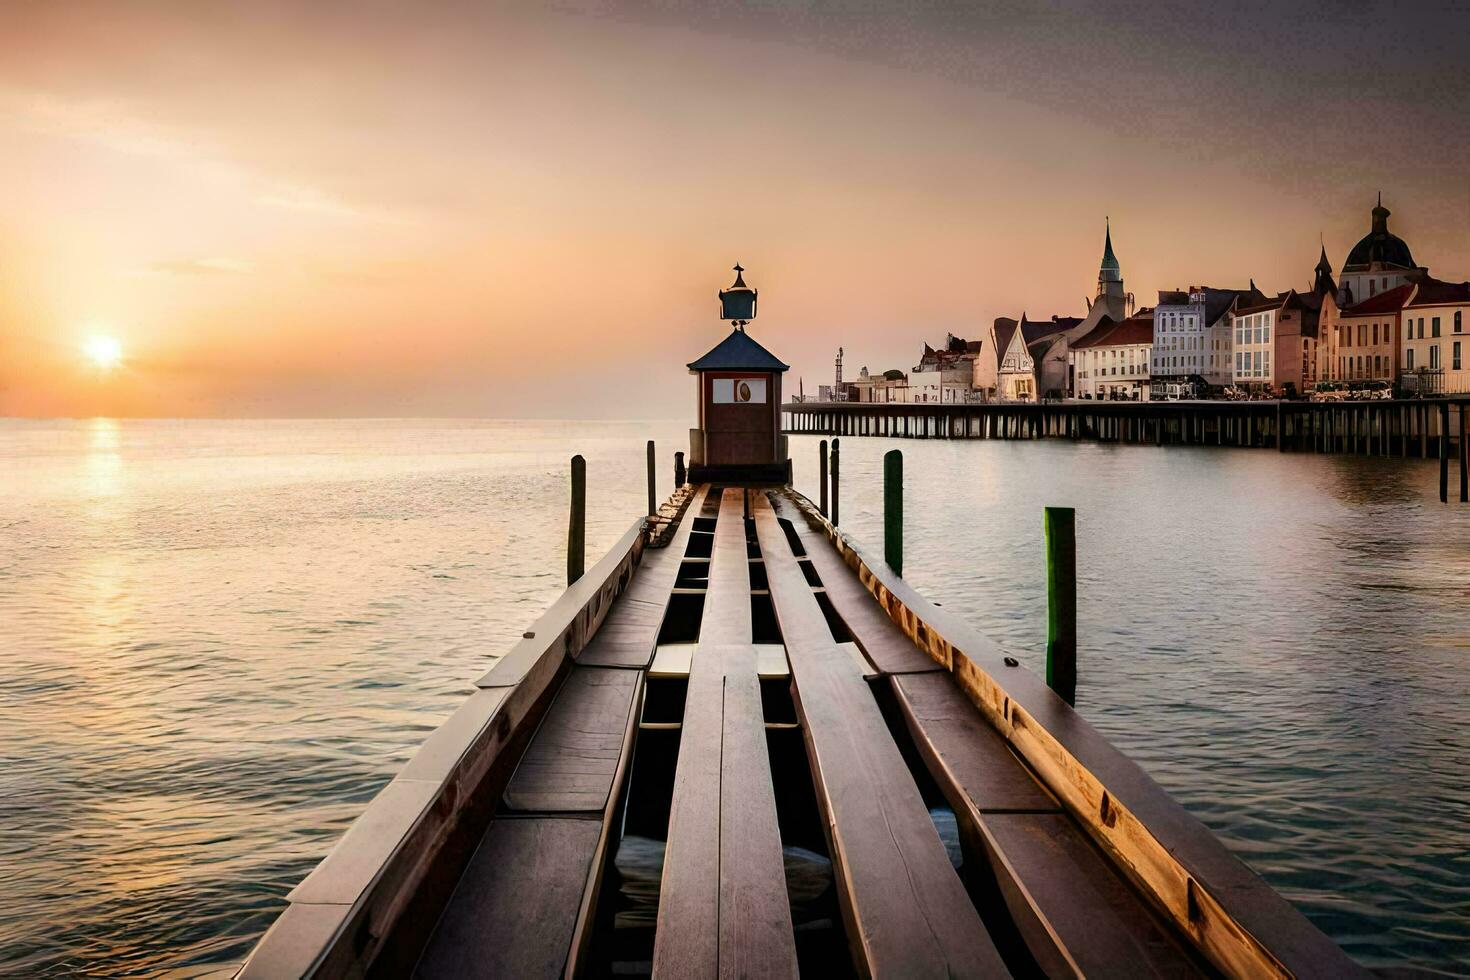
(577, 523)
(652, 488)
(680, 474)
(893, 510)
(1061, 601)
(1444, 452)
(822, 476)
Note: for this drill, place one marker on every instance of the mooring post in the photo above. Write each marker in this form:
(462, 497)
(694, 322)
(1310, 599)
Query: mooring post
(577, 525)
(1444, 452)
(679, 472)
(822, 474)
(1061, 602)
(893, 510)
(836, 491)
(1464, 455)
(652, 488)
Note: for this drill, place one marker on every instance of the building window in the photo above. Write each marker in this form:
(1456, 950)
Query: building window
(1409, 359)
(1434, 357)
(1457, 321)
(1375, 333)
(1434, 326)
(1455, 360)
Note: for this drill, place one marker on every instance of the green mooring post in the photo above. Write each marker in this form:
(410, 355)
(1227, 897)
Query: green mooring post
(822, 476)
(577, 524)
(835, 484)
(1061, 602)
(893, 510)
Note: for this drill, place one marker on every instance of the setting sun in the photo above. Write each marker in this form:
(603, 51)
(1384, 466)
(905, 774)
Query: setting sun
(104, 353)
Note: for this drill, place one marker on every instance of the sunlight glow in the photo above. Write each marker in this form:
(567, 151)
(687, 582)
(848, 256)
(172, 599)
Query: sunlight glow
(104, 353)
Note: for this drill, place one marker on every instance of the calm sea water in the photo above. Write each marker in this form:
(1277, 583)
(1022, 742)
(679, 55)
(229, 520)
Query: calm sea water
(221, 638)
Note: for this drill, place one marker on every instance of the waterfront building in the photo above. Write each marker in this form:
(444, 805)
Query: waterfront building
(1436, 338)
(1192, 335)
(946, 374)
(1367, 336)
(1015, 371)
(1275, 343)
(890, 386)
(1381, 261)
(1112, 361)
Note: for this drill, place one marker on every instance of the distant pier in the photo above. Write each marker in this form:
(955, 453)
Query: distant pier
(1423, 428)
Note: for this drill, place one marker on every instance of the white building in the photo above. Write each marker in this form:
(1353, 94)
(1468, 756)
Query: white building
(1112, 361)
(1251, 327)
(1192, 335)
(1436, 337)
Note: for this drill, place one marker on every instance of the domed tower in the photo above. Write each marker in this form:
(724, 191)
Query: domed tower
(1380, 261)
(1110, 280)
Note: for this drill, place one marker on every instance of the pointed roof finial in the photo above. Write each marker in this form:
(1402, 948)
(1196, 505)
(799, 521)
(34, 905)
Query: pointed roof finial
(739, 276)
(1109, 269)
(1380, 199)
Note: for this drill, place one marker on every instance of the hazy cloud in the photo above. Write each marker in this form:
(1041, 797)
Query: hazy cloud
(203, 267)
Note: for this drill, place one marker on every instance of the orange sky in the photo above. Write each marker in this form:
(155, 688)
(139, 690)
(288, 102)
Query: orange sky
(434, 209)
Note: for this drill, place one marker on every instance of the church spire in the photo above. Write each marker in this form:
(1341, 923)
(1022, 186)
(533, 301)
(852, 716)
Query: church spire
(1109, 271)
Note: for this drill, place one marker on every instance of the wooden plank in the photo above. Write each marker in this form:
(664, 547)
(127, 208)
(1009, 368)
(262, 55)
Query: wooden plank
(963, 751)
(907, 912)
(723, 907)
(574, 755)
(630, 632)
(756, 938)
(514, 913)
(687, 936)
(884, 644)
(1057, 884)
(726, 617)
(1074, 912)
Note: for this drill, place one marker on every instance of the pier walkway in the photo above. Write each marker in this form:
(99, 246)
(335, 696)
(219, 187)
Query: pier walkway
(756, 751)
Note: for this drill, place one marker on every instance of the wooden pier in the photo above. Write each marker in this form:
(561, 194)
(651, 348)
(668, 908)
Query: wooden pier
(739, 688)
(1423, 428)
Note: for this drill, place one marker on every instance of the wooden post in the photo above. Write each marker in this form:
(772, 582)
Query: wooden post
(577, 525)
(893, 510)
(822, 476)
(1444, 452)
(680, 474)
(1061, 602)
(835, 484)
(652, 486)
(1464, 455)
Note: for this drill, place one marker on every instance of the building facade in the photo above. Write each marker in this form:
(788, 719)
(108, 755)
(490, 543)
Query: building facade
(1193, 340)
(1367, 337)
(1112, 361)
(1436, 339)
